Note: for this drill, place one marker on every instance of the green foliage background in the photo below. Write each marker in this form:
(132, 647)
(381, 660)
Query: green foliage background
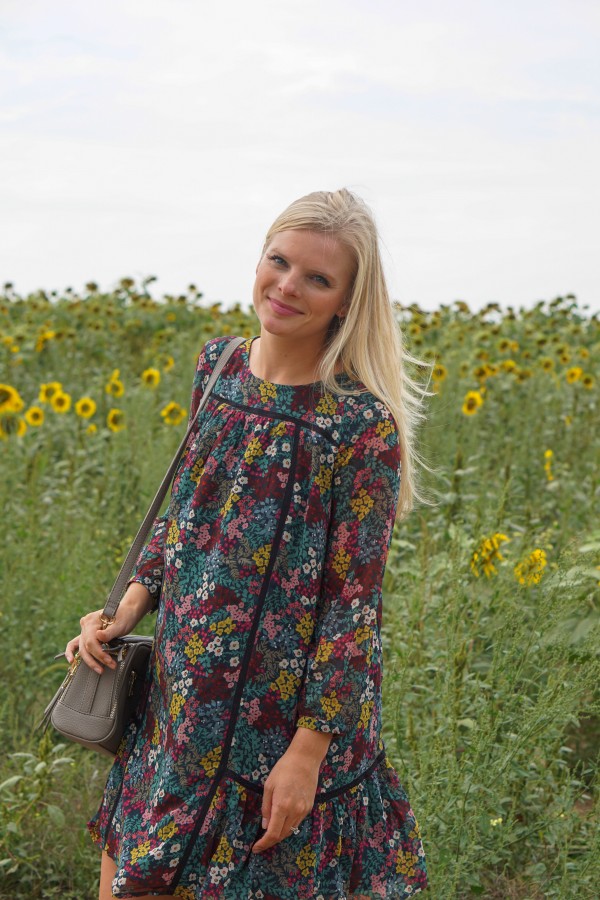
(491, 686)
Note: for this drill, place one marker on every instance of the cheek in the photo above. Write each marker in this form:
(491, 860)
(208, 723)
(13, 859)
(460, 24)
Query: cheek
(261, 276)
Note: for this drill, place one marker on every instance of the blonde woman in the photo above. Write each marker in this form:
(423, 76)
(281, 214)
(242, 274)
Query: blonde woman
(256, 767)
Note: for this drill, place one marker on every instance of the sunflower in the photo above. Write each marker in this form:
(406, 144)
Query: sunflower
(584, 353)
(508, 365)
(547, 363)
(10, 424)
(60, 402)
(116, 420)
(472, 402)
(523, 375)
(85, 407)
(167, 363)
(439, 372)
(34, 416)
(486, 554)
(588, 381)
(503, 345)
(115, 386)
(530, 570)
(91, 429)
(574, 374)
(48, 390)
(151, 377)
(10, 399)
(173, 413)
(43, 339)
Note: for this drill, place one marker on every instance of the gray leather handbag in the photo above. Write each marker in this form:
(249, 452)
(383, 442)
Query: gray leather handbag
(93, 709)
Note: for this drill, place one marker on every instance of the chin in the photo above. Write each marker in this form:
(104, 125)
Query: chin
(276, 327)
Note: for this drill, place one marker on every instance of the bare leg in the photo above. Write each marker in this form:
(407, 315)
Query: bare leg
(107, 873)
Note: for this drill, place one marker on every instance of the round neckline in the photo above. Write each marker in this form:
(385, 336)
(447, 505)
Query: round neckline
(310, 384)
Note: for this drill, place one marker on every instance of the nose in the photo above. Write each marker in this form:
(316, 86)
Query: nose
(287, 285)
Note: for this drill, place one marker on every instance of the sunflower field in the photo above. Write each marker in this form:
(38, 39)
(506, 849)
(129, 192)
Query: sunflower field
(491, 597)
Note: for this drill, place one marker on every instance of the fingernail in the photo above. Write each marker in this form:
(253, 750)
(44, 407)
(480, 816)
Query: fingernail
(264, 822)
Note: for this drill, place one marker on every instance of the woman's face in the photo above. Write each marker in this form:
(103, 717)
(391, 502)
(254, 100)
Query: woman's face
(303, 280)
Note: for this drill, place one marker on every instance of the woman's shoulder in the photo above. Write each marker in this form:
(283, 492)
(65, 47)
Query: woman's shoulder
(360, 413)
(214, 347)
(210, 353)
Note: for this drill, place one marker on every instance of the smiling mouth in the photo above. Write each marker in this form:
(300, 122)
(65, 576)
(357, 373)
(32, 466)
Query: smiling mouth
(284, 307)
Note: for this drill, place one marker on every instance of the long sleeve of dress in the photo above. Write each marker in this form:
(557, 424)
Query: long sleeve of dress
(344, 669)
(148, 569)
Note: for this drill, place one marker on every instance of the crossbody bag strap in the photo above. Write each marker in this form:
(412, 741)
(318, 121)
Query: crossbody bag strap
(118, 589)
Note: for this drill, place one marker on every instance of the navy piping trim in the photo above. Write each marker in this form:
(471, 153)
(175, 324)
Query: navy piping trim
(257, 411)
(323, 795)
(287, 499)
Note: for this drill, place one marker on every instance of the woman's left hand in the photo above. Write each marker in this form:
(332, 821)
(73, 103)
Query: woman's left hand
(289, 795)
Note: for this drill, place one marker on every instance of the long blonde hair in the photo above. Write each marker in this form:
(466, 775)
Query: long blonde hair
(367, 340)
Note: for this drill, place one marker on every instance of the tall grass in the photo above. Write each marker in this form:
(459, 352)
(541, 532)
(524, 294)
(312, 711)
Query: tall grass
(491, 685)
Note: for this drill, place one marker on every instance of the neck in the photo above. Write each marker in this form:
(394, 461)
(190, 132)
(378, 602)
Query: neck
(284, 361)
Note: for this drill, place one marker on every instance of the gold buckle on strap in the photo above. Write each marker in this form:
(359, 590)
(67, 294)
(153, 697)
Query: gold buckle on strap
(105, 621)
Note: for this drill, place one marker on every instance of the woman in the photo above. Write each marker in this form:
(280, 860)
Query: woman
(256, 768)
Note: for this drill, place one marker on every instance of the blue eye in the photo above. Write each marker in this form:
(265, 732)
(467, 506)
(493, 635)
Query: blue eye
(322, 280)
(278, 260)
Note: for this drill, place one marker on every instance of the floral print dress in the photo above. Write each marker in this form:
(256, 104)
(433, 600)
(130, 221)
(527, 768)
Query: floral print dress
(267, 569)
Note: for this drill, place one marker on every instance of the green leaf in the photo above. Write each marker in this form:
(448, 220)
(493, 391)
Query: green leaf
(10, 782)
(56, 815)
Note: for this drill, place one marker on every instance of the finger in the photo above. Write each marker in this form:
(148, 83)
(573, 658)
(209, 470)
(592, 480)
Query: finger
(266, 805)
(94, 655)
(103, 655)
(90, 660)
(98, 637)
(274, 833)
(104, 636)
(107, 633)
(71, 649)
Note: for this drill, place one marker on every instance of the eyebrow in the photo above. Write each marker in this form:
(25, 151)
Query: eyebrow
(320, 272)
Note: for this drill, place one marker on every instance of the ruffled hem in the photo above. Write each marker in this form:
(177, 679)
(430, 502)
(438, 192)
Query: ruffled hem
(363, 842)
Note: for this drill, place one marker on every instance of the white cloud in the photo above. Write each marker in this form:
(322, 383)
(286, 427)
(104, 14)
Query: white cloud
(163, 138)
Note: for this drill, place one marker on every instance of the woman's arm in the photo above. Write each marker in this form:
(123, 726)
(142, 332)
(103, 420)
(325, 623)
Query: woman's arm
(149, 566)
(344, 664)
(145, 584)
(344, 667)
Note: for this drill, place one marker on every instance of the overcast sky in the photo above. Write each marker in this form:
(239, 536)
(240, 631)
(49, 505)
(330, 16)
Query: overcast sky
(162, 138)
